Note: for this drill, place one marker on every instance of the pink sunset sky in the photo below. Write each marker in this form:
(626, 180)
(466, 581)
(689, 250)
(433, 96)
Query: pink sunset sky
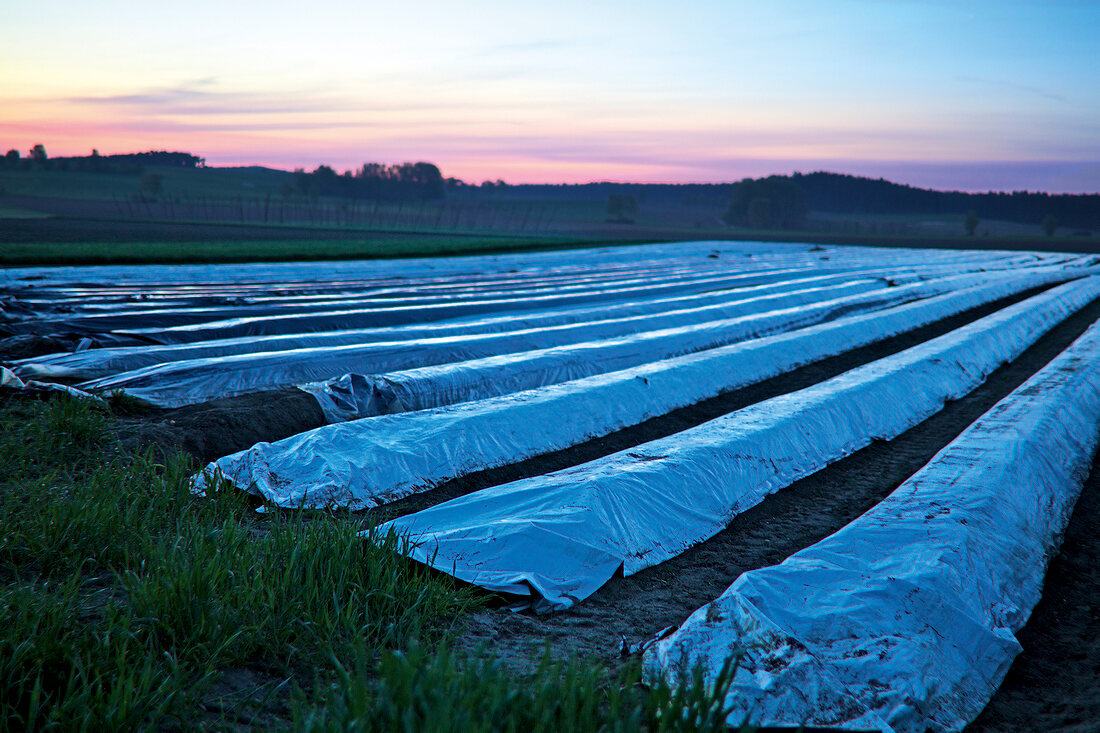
(969, 96)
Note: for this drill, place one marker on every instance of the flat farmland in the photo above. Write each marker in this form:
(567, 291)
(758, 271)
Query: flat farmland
(672, 486)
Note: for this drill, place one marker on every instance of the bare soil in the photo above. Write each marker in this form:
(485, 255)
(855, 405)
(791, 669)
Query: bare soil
(217, 428)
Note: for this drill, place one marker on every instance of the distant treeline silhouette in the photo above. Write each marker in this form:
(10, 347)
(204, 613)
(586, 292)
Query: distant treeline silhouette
(375, 181)
(844, 194)
(785, 201)
(125, 163)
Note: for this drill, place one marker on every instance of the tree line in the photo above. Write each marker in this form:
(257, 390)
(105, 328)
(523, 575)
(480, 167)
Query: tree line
(845, 194)
(784, 202)
(375, 181)
(124, 163)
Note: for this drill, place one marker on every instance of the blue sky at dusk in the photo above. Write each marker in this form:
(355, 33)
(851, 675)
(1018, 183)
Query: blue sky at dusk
(967, 95)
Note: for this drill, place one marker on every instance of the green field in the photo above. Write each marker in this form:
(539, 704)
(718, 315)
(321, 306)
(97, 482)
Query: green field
(129, 603)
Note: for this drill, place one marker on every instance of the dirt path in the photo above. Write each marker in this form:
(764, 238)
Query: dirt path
(635, 608)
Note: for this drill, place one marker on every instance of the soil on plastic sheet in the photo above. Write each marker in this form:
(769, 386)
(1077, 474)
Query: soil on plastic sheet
(633, 609)
(1054, 684)
(217, 428)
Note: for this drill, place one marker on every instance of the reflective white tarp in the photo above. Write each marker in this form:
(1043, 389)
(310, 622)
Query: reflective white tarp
(192, 381)
(557, 538)
(375, 460)
(905, 619)
(103, 362)
(171, 325)
(362, 395)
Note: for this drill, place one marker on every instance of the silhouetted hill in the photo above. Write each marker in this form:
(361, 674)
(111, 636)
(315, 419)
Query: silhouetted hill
(844, 194)
(841, 194)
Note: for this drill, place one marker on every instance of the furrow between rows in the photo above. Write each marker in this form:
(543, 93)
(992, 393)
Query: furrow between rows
(638, 508)
(635, 608)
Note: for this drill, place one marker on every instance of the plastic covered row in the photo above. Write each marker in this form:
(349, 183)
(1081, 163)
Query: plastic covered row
(375, 460)
(381, 305)
(905, 619)
(198, 380)
(101, 362)
(95, 363)
(242, 284)
(222, 277)
(553, 540)
(359, 395)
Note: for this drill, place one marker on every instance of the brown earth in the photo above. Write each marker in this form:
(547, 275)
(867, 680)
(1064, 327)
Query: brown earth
(217, 428)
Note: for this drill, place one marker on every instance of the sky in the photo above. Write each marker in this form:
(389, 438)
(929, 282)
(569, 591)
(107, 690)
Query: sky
(954, 94)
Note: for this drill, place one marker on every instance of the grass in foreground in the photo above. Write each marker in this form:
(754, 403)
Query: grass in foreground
(129, 603)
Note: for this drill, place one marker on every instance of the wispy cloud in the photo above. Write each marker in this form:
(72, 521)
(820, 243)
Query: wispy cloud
(1014, 86)
(198, 98)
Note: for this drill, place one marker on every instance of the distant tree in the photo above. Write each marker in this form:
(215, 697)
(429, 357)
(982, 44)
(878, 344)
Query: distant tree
(971, 223)
(773, 202)
(425, 180)
(1049, 225)
(38, 153)
(621, 207)
(12, 157)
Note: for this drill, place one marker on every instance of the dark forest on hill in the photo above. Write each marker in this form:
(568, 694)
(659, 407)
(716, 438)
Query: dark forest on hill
(790, 198)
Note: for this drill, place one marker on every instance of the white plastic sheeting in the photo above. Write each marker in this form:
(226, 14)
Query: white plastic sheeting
(195, 380)
(905, 619)
(357, 395)
(102, 362)
(8, 379)
(557, 538)
(375, 460)
(312, 275)
(608, 341)
(460, 308)
(44, 300)
(380, 310)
